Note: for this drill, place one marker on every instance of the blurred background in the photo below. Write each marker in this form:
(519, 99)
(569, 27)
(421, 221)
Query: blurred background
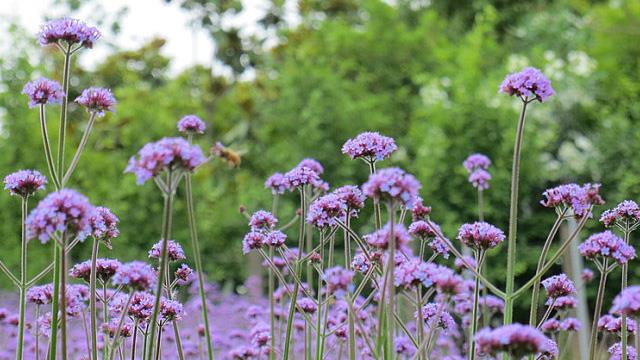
(280, 80)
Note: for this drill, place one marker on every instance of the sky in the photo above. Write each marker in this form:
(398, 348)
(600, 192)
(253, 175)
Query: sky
(144, 20)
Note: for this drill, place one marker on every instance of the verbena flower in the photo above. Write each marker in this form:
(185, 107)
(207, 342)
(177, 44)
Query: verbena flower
(419, 211)
(528, 83)
(136, 275)
(300, 176)
(422, 230)
(480, 235)
(105, 269)
(338, 280)
(360, 263)
(578, 198)
(607, 245)
(275, 238)
(43, 91)
(327, 211)
(493, 303)
(40, 295)
(191, 124)
(252, 240)
(110, 328)
(403, 346)
(562, 302)
(480, 179)
(437, 317)
(558, 285)
(66, 211)
(97, 100)
(380, 238)
(370, 146)
(476, 161)
(459, 264)
(174, 251)
(276, 183)
(412, 272)
(627, 302)
(613, 324)
(393, 184)
(69, 31)
(24, 182)
(141, 307)
(307, 305)
(104, 225)
(262, 220)
(184, 274)
(616, 352)
(312, 164)
(570, 324)
(515, 339)
(166, 153)
(626, 211)
(352, 196)
(170, 310)
(551, 325)
(586, 275)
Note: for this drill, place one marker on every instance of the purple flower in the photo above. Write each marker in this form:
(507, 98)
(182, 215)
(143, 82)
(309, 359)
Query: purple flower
(174, 251)
(361, 263)
(300, 176)
(562, 302)
(307, 305)
(529, 82)
(252, 240)
(327, 211)
(276, 183)
(136, 275)
(104, 225)
(616, 352)
(475, 162)
(40, 295)
(43, 91)
(480, 179)
(184, 274)
(312, 164)
(392, 184)
(627, 302)
(338, 280)
(97, 100)
(191, 124)
(578, 198)
(404, 346)
(480, 235)
(422, 230)
(262, 220)
(412, 272)
(380, 238)
(461, 266)
(275, 238)
(586, 275)
(606, 244)
(516, 339)
(352, 196)
(141, 307)
(69, 31)
(434, 315)
(170, 310)
(558, 285)
(157, 156)
(570, 324)
(24, 182)
(551, 325)
(65, 210)
(626, 211)
(370, 146)
(613, 324)
(493, 303)
(105, 269)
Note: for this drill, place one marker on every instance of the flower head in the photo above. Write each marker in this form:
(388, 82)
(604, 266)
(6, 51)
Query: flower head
(421, 229)
(170, 310)
(105, 269)
(97, 100)
(419, 211)
(141, 307)
(607, 245)
(191, 124)
(64, 210)
(352, 196)
(69, 31)
(136, 275)
(570, 324)
(480, 179)
(262, 220)
(312, 164)
(338, 280)
(370, 146)
(475, 162)
(380, 238)
(616, 352)
(166, 153)
(307, 305)
(104, 225)
(43, 91)
(40, 295)
(578, 198)
(626, 211)
(393, 184)
(252, 240)
(174, 251)
(480, 235)
(24, 182)
(530, 82)
(515, 339)
(300, 176)
(627, 302)
(184, 274)
(276, 183)
(562, 302)
(275, 238)
(558, 285)
(327, 211)
(434, 316)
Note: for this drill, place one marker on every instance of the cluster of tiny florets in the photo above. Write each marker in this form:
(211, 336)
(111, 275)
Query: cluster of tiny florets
(370, 146)
(24, 182)
(528, 83)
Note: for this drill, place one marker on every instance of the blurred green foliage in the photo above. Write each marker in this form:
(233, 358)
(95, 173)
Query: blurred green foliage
(426, 75)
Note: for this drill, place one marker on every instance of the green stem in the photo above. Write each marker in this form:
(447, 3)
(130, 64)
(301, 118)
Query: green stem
(376, 201)
(105, 319)
(63, 110)
(420, 324)
(133, 341)
(480, 205)
(63, 297)
(596, 312)
(81, 146)
(391, 299)
(513, 217)
(92, 300)
(625, 272)
(53, 338)
(47, 147)
(474, 313)
(23, 280)
(123, 315)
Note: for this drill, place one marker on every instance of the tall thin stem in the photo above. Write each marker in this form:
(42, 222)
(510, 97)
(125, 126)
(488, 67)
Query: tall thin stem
(53, 338)
(513, 217)
(47, 147)
(480, 204)
(474, 313)
(63, 109)
(625, 271)
(123, 315)
(23, 280)
(92, 300)
(596, 312)
(390, 291)
(83, 143)
(166, 232)
(63, 297)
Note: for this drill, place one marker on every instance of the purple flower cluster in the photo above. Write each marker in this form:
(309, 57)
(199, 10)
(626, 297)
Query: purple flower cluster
(558, 286)
(300, 176)
(43, 91)
(136, 275)
(627, 302)
(613, 324)
(24, 182)
(262, 220)
(191, 124)
(338, 280)
(616, 352)
(327, 211)
(174, 251)
(626, 211)
(477, 165)
(97, 100)
(579, 198)
(380, 238)
(480, 235)
(393, 184)
(607, 245)
(165, 153)
(104, 225)
(262, 224)
(40, 295)
(422, 230)
(413, 272)
(69, 31)
(480, 179)
(436, 317)
(516, 339)
(63, 211)
(352, 196)
(105, 269)
(370, 146)
(276, 183)
(528, 83)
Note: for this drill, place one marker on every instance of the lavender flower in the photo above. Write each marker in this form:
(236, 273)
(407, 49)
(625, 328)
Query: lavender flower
(578, 198)
(170, 310)
(616, 352)
(436, 317)
(104, 225)
(558, 285)
(184, 274)
(276, 183)
(361, 263)
(312, 164)
(300, 176)
(105, 269)
(419, 211)
(586, 275)
(404, 346)
(64, 211)
(393, 184)
(191, 124)
(613, 324)
(480, 179)
(252, 240)
(529, 82)
(380, 238)
(551, 325)
(40, 295)
(480, 235)
(627, 302)
(275, 238)
(570, 324)
(370, 146)
(24, 182)
(562, 302)
(43, 91)
(97, 100)
(352, 196)
(174, 251)
(516, 339)
(475, 162)
(262, 220)
(307, 305)
(338, 280)
(163, 154)
(412, 272)
(69, 31)
(327, 211)
(626, 211)
(136, 275)
(422, 230)
(606, 244)
(141, 307)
